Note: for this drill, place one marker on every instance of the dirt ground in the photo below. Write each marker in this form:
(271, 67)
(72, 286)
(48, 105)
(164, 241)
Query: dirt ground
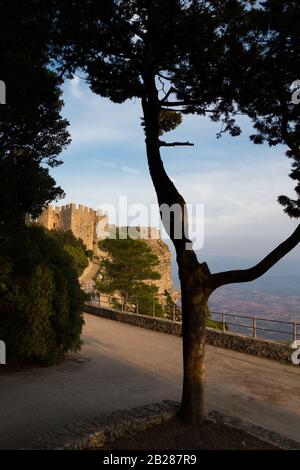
(176, 436)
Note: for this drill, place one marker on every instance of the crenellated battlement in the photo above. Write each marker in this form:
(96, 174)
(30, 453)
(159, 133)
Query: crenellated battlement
(139, 232)
(74, 207)
(53, 208)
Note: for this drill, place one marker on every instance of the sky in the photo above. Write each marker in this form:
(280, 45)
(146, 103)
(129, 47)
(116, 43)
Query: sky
(236, 182)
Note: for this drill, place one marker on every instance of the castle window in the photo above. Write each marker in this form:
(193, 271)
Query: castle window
(56, 221)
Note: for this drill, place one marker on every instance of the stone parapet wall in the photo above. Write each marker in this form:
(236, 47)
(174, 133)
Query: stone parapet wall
(257, 347)
(143, 321)
(262, 348)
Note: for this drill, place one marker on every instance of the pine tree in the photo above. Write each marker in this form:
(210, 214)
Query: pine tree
(125, 268)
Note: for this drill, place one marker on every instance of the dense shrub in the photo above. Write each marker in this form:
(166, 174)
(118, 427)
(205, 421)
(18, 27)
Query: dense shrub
(76, 249)
(40, 297)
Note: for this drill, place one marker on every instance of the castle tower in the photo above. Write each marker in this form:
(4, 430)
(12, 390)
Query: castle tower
(81, 220)
(50, 218)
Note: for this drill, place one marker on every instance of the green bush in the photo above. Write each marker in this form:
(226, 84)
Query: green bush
(76, 249)
(40, 297)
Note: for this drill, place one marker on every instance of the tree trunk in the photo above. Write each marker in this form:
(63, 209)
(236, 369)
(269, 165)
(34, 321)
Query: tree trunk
(125, 302)
(193, 279)
(194, 312)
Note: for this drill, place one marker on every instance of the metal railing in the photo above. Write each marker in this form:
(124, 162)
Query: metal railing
(172, 313)
(133, 306)
(253, 326)
(113, 301)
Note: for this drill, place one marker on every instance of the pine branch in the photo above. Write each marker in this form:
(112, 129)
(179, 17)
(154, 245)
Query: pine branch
(248, 275)
(171, 90)
(174, 144)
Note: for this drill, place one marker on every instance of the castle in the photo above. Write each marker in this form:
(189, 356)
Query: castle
(81, 220)
(89, 225)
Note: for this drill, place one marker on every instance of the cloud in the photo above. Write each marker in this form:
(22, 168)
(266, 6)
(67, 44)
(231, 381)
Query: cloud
(132, 171)
(74, 87)
(102, 163)
(96, 120)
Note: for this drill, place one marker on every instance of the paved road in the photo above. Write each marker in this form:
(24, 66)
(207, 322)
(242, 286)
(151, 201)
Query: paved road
(122, 366)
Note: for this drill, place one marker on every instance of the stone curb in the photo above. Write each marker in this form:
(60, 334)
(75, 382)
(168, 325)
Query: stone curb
(271, 437)
(105, 429)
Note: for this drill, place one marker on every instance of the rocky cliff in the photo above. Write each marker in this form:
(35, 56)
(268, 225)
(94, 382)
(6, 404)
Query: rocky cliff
(163, 253)
(161, 250)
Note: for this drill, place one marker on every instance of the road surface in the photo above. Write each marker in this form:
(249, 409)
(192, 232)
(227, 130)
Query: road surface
(121, 366)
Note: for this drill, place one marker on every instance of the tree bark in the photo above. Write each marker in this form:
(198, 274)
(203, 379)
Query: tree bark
(194, 312)
(125, 302)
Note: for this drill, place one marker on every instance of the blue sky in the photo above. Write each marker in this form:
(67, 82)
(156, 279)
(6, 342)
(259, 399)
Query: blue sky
(238, 182)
